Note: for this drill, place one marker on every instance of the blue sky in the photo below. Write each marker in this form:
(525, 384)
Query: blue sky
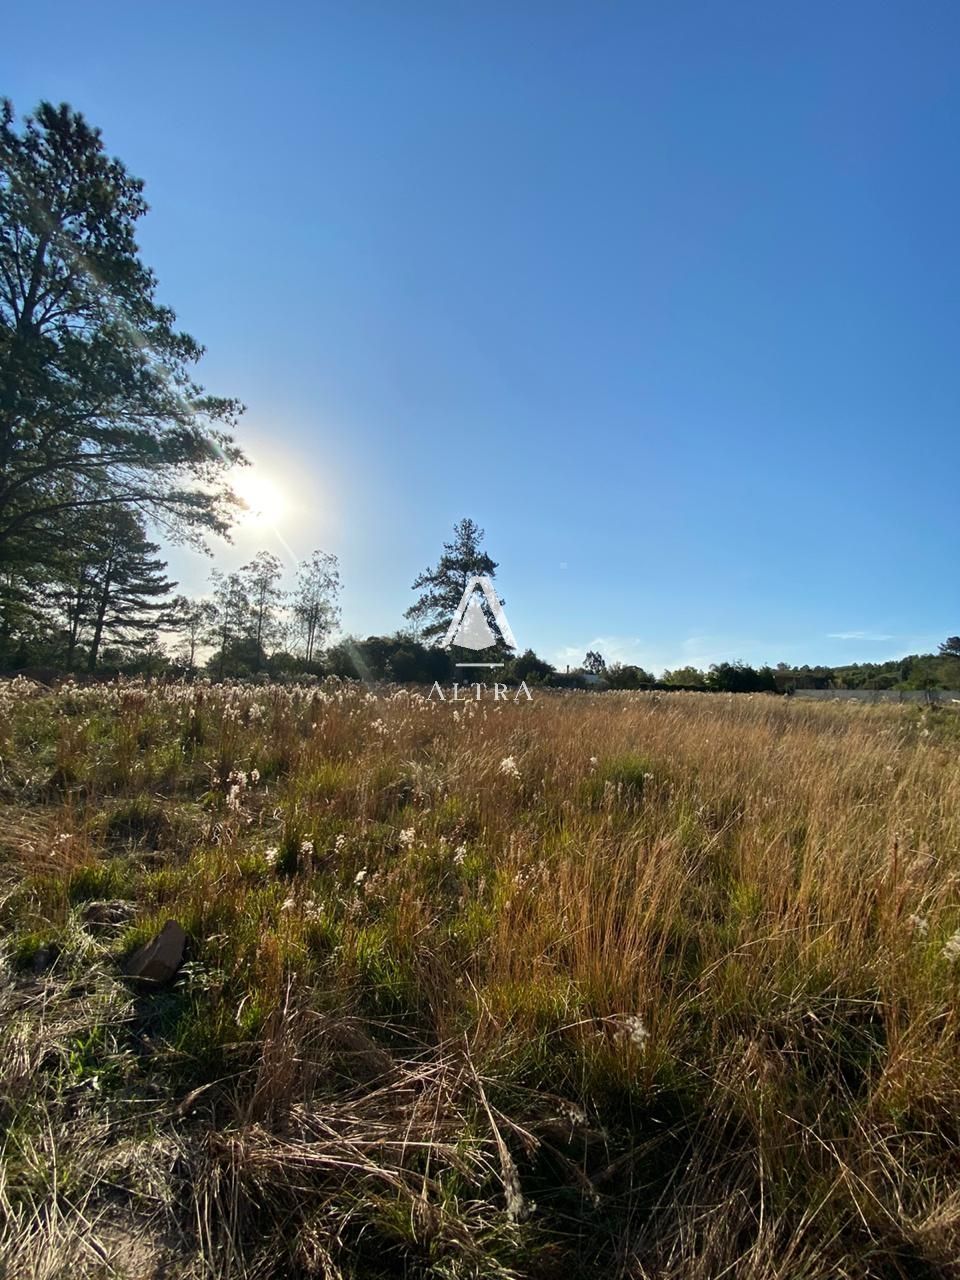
(665, 296)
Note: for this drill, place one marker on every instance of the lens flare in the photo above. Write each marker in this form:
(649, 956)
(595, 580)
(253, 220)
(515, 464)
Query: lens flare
(264, 501)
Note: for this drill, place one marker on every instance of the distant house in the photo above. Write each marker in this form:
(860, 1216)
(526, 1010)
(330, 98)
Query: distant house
(578, 679)
(591, 680)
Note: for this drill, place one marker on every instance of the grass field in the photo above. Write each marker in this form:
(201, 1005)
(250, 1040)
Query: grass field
(630, 985)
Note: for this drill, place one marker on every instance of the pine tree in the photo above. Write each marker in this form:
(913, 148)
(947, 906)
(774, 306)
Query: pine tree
(442, 587)
(105, 583)
(98, 405)
(129, 596)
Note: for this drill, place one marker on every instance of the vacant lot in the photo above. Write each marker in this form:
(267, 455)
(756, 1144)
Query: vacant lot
(620, 985)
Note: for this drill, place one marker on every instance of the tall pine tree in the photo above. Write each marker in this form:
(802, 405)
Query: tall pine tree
(442, 587)
(109, 585)
(98, 404)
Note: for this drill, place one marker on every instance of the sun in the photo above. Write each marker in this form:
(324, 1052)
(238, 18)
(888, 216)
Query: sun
(264, 499)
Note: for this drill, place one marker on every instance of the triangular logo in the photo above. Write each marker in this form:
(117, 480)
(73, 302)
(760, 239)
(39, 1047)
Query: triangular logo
(469, 628)
(474, 630)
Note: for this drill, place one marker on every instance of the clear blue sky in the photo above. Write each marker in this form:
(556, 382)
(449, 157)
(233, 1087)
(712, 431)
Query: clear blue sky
(666, 296)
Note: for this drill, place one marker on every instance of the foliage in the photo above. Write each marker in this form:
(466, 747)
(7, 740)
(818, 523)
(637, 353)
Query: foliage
(192, 620)
(103, 587)
(595, 663)
(130, 594)
(528, 667)
(399, 657)
(689, 677)
(228, 626)
(914, 671)
(442, 587)
(98, 405)
(103, 427)
(627, 676)
(261, 589)
(315, 606)
(738, 677)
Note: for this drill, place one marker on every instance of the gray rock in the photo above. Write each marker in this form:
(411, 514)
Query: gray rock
(107, 915)
(160, 958)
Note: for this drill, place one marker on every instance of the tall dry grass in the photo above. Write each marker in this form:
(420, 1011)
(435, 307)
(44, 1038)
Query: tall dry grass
(637, 985)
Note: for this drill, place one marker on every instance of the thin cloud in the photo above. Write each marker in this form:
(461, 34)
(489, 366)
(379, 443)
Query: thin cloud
(626, 649)
(858, 635)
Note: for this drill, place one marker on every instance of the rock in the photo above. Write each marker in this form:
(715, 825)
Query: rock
(159, 959)
(45, 957)
(107, 915)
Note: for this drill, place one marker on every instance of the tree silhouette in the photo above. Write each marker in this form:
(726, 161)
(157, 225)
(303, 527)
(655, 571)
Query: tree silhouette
(261, 582)
(98, 406)
(595, 663)
(442, 587)
(315, 600)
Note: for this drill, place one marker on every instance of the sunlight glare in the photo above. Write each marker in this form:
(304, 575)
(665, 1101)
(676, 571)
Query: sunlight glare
(265, 500)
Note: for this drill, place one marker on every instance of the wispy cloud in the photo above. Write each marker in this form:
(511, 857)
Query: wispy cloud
(697, 651)
(700, 651)
(627, 649)
(859, 635)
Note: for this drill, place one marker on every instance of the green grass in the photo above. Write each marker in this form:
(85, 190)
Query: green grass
(601, 985)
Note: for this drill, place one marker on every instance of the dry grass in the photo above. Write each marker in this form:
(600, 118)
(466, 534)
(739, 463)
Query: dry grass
(621, 985)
